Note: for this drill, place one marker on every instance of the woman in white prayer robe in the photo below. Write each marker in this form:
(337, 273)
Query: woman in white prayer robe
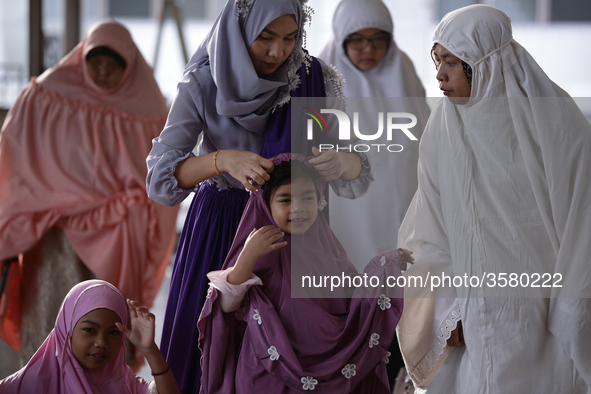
(374, 68)
(503, 206)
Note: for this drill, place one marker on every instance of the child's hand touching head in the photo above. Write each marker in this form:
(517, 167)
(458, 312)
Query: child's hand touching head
(96, 338)
(143, 325)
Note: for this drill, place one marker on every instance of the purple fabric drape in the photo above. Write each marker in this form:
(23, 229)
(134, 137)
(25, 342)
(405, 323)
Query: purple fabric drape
(277, 343)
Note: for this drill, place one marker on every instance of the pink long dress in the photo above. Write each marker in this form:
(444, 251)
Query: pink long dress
(72, 158)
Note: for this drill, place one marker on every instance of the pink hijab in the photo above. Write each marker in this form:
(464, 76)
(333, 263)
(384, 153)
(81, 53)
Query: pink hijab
(73, 155)
(54, 369)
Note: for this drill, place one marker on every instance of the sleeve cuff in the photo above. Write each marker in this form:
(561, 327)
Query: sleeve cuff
(231, 296)
(357, 187)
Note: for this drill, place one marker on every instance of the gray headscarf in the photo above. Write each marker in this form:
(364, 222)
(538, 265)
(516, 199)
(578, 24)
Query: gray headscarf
(242, 94)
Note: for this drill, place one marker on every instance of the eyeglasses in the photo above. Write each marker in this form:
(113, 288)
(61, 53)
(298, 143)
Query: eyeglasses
(360, 43)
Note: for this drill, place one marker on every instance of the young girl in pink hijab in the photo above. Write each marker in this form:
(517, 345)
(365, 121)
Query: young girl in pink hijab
(85, 353)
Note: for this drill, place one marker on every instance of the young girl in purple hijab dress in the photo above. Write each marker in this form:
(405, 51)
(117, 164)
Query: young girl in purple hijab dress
(262, 331)
(233, 107)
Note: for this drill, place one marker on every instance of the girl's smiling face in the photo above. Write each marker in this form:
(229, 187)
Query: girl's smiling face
(274, 44)
(96, 339)
(294, 206)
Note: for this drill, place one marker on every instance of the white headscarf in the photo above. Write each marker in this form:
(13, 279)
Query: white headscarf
(363, 225)
(503, 186)
(395, 75)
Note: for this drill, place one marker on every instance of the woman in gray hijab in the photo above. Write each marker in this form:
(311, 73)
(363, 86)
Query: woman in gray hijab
(232, 105)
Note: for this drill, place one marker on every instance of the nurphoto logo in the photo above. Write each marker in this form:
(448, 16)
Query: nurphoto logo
(391, 119)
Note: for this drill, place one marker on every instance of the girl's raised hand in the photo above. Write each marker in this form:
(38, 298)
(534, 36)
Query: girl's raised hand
(261, 242)
(143, 323)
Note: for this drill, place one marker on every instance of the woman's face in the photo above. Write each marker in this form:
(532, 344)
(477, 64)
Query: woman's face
(96, 339)
(366, 48)
(105, 71)
(450, 75)
(294, 206)
(274, 44)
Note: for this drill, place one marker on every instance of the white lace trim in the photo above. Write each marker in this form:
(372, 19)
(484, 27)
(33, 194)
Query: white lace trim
(445, 329)
(243, 8)
(330, 74)
(220, 182)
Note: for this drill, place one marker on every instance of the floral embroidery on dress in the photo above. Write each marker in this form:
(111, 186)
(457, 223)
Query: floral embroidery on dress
(322, 203)
(309, 383)
(330, 74)
(274, 353)
(373, 340)
(209, 290)
(349, 370)
(387, 358)
(383, 260)
(384, 302)
(257, 317)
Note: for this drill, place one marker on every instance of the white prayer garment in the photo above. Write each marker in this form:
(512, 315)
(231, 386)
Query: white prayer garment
(365, 226)
(504, 188)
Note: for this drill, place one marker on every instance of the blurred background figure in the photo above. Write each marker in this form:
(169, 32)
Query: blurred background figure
(73, 202)
(363, 50)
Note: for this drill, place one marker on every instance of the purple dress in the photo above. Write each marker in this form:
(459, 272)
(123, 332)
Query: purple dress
(279, 343)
